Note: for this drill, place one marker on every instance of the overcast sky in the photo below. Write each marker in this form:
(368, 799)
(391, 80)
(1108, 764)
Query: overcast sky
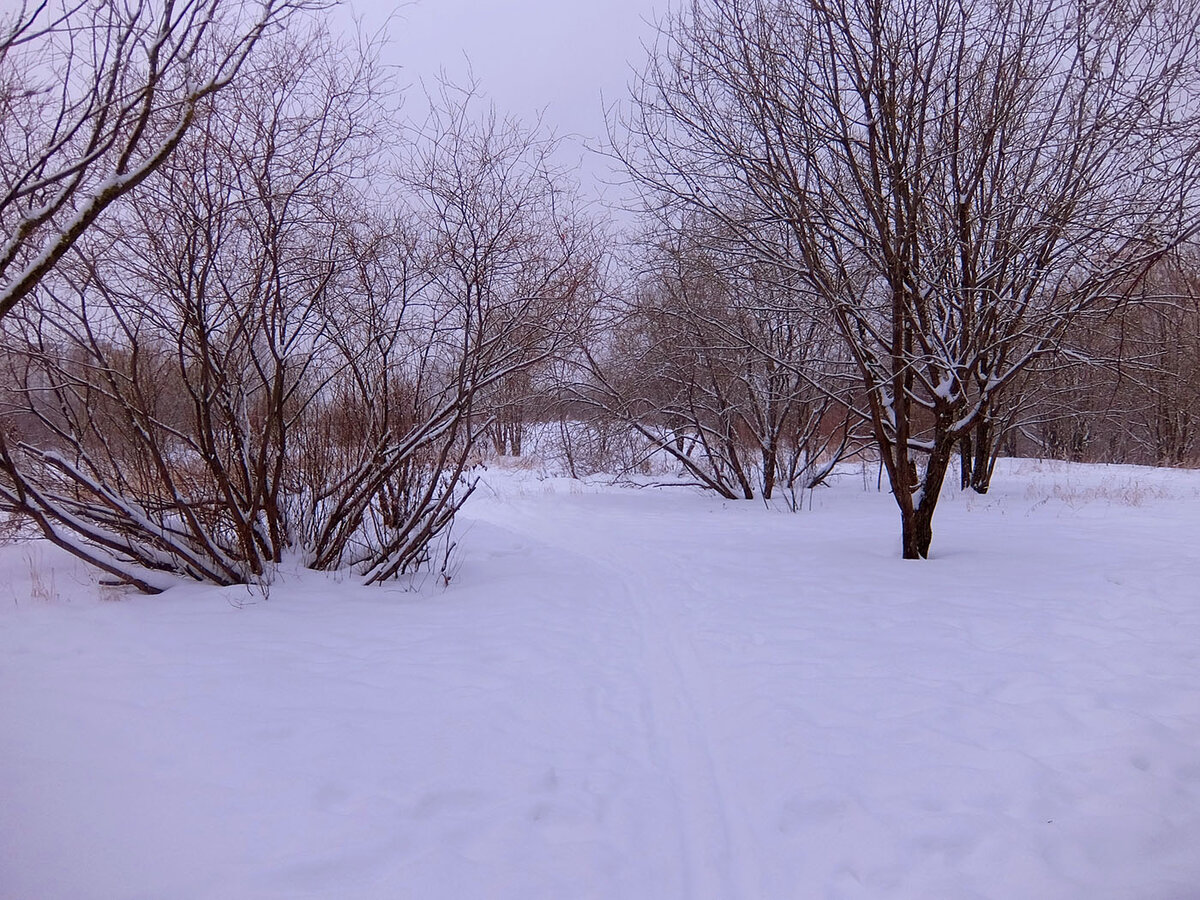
(554, 57)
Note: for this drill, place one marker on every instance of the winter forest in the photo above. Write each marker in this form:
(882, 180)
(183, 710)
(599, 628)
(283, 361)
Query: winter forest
(384, 516)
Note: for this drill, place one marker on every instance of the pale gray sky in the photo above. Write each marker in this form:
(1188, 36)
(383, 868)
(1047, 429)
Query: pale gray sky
(555, 57)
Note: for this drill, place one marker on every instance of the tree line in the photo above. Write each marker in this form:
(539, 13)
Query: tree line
(250, 311)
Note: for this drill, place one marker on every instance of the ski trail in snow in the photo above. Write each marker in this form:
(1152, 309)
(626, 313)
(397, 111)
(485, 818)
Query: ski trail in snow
(685, 731)
(633, 696)
(715, 851)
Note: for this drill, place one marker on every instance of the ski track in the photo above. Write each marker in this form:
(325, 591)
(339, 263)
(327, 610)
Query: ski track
(899, 705)
(714, 852)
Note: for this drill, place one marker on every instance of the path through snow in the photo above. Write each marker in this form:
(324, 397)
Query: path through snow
(635, 694)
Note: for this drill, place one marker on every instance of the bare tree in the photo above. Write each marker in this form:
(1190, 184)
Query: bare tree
(263, 352)
(478, 281)
(154, 381)
(1127, 386)
(960, 181)
(94, 97)
(716, 366)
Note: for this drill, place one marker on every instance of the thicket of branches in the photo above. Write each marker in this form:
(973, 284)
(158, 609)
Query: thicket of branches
(708, 358)
(1126, 389)
(262, 351)
(247, 313)
(94, 97)
(959, 185)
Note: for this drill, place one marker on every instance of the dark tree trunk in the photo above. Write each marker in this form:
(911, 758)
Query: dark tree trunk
(917, 531)
(916, 518)
(768, 476)
(985, 452)
(966, 460)
(977, 455)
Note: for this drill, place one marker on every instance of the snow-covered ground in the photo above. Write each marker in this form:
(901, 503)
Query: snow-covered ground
(629, 694)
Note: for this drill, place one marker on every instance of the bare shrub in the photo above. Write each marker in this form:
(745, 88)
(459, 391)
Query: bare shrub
(715, 362)
(256, 360)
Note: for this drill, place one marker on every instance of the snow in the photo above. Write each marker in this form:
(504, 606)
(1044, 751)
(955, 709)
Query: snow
(945, 386)
(634, 693)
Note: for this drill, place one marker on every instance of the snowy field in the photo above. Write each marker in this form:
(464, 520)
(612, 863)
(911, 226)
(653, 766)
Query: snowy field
(635, 695)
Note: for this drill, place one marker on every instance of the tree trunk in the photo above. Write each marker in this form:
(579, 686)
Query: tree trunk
(981, 469)
(916, 519)
(768, 476)
(966, 460)
(977, 456)
(917, 530)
